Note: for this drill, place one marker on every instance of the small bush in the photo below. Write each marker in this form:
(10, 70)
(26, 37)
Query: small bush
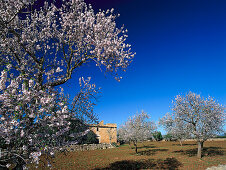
(121, 142)
(157, 136)
(90, 138)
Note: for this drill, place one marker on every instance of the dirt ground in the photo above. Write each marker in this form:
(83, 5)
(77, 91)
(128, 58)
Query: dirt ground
(151, 155)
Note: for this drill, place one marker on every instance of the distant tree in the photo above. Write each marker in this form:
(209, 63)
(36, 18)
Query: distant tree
(137, 128)
(177, 129)
(120, 135)
(195, 116)
(168, 137)
(157, 136)
(222, 136)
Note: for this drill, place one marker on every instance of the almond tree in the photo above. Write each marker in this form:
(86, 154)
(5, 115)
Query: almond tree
(137, 128)
(40, 49)
(176, 129)
(195, 116)
(34, 122)
(51, 43)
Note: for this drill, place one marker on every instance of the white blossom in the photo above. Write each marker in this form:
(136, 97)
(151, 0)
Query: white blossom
(44, 47)
(137, 128)
(196, 117)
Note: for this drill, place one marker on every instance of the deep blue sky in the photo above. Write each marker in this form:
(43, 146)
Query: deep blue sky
(180, 46)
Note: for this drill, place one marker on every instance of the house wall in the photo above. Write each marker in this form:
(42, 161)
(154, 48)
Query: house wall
(105, 133)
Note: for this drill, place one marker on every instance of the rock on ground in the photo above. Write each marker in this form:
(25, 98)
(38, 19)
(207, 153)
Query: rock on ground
(219, 167)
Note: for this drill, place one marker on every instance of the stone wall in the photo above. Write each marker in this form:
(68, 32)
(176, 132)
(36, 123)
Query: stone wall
(106, 133)
(88, 147)
(72, 148)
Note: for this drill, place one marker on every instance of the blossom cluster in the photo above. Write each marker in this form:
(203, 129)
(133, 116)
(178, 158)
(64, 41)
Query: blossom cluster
(72, 35)
(28, 115)
(37, 120)
(40, 49)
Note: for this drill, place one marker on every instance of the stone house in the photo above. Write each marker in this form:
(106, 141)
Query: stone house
(105, 133)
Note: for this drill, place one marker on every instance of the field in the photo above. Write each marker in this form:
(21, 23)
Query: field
(151, 155)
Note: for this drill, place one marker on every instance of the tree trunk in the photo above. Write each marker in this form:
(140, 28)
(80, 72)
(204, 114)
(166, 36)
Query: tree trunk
(135, 144)
(180, 142)
(200, 146)
(18, 167)
(130, 144)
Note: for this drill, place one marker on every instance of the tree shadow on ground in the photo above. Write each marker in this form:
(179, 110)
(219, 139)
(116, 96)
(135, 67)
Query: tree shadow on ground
(185, 144)
(207, 151)
(168, 163)
(151, 152)
(141, 147)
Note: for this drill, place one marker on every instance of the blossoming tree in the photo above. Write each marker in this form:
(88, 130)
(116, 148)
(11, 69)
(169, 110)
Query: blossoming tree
(34, 122)
(137, 128)
(177, 129)
(40, 49)
(195, 116)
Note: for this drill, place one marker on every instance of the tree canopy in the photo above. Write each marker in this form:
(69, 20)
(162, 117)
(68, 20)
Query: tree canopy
(137, 128)
(40, 49)
(195, 116)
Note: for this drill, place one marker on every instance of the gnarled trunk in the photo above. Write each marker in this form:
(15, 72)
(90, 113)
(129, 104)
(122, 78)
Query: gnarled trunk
(200, 147)
(135, 144)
